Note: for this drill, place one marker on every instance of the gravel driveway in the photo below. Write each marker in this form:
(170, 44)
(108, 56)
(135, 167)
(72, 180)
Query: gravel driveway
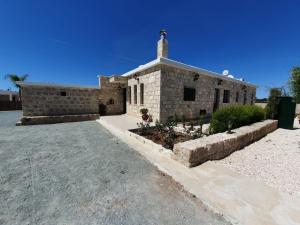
(78, 173)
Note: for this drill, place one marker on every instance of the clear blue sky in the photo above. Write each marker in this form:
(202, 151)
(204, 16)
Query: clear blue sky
(72, 42)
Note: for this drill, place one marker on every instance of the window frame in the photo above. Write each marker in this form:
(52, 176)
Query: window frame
(135, 94)
(142, 90)
(129, 95)
(237, 97)
(226, 97)
(189, 94)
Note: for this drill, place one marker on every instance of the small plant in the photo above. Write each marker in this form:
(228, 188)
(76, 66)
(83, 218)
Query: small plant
(197, 134)
(191, 124)
(298, 118)
(143, 128)
(169, 139)
(159, 126)
(176, 119)
(145, 115)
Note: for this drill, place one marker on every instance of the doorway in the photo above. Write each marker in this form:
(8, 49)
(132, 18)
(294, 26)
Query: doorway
(216, 99)
(124, 100)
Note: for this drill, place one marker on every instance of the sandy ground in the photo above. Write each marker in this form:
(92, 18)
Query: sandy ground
(275, 160)
(79, 173)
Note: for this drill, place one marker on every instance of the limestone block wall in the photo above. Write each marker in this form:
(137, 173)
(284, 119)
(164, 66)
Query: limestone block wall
(46, 100)
(152, 92)
(218, 146)
(173, 81)
(111, 95)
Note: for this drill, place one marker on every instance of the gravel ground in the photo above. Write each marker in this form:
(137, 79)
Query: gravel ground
(275, 160)
(78, 173)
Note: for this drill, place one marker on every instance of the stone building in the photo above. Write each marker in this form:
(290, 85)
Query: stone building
(164, 86)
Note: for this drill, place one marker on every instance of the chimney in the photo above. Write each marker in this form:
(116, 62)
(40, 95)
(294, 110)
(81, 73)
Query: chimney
(162, 45)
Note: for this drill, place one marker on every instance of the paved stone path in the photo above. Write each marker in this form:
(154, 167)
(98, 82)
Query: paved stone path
(78, 173)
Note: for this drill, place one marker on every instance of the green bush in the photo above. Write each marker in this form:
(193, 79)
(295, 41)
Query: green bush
(272, 106)
(235, 116)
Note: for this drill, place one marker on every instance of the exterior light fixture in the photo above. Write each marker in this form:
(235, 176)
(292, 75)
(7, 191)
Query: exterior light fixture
(196, 76)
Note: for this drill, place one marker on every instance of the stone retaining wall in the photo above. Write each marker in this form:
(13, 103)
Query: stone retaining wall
(56, 119)
(218, 146)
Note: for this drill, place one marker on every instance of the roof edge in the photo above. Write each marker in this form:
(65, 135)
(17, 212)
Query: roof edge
(169, 62)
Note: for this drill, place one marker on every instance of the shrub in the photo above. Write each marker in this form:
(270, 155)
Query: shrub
(273, 102)
(144, 111)
(235, 116)
(145, 115)
(169, 139)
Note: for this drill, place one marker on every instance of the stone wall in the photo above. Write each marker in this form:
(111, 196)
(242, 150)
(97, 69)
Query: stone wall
(38, 100)
(173, 81)
(218, 146)
(152, 89)
(111, 95)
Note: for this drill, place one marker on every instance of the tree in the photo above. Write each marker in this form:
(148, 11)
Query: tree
(294, 83)
(272, 105)
(14, 78)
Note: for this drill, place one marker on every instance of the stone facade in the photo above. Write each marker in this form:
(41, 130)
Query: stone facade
(174, 80)
(111, 94)
(39, 100)
(164, 92)
(151, 79)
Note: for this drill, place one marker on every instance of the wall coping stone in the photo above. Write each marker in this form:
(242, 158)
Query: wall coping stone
(218, 146)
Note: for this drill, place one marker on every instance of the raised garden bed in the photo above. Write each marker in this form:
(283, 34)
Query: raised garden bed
(159, 137)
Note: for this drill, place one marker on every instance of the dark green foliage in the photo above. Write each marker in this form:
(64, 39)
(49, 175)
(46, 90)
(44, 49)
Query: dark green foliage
(144, 111)
(159, 126)
(273, 102)
(176, 119)
(169, 139)
(235, 116)
(294, 83)
(144, 128)
(14, 78)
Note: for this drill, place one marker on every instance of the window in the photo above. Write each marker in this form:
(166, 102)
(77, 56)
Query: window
(189, 94)
(63, 93)
(245, 97)
(226, 96)
(252, 98)
(237, 96)
(141, 94)
(110, 102)
(202, 112)
(135, 94)
(129, 94)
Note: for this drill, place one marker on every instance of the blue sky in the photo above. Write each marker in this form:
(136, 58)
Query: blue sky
(61, 41)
